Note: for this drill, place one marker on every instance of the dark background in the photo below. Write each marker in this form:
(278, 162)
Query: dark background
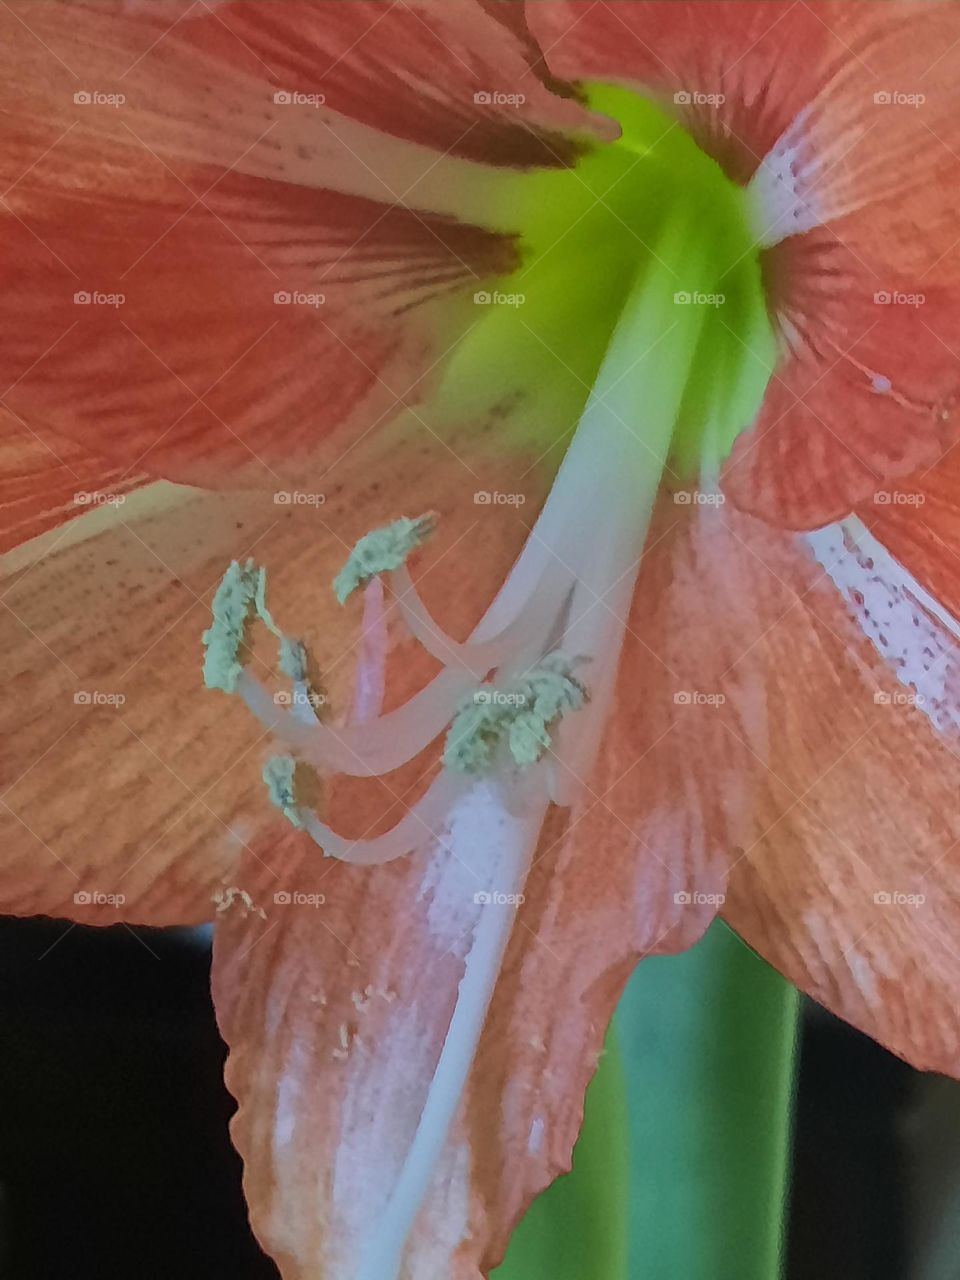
(115, 1160)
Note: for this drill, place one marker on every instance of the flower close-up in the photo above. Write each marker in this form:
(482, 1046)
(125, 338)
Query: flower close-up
(478, 500)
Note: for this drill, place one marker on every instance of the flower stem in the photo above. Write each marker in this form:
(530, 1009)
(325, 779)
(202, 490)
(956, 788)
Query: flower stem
(708, 1042)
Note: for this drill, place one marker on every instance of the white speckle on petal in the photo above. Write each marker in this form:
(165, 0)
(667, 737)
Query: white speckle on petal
(781, 198)
(914, 634)
(535, 1140)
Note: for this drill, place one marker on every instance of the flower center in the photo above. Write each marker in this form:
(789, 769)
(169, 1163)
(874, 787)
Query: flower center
(641, 277)
(641, 270)
(589, 236)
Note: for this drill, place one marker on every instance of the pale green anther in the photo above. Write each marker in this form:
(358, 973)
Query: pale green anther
(293, 658)
(279, 775)
(260, 602)
(381, 551)
(235, 600)
(520, 715)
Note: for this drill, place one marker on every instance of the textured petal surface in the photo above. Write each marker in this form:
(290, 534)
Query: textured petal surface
(840, 679)
(205, 281)
(918, 521)
(867, 391)
(737, 91)
(45, 480)
(461, 76)
(113, 755)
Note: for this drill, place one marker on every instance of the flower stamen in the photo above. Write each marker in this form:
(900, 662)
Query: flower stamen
(381, 551)
(279, 773)
(518, 717)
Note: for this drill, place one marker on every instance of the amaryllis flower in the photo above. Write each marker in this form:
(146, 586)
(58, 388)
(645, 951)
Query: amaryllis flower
(620, 339)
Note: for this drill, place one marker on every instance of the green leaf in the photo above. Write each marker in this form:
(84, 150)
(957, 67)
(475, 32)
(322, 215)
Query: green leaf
(682, 1169)
(708, 1041)
(578, 1229)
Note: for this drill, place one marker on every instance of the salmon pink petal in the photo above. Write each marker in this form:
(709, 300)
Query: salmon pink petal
(736, 91)
(247, 337)
(918, 521)
(212, 282)
(45, 480)
(461, 76)
(841, 681)
(867, 391)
